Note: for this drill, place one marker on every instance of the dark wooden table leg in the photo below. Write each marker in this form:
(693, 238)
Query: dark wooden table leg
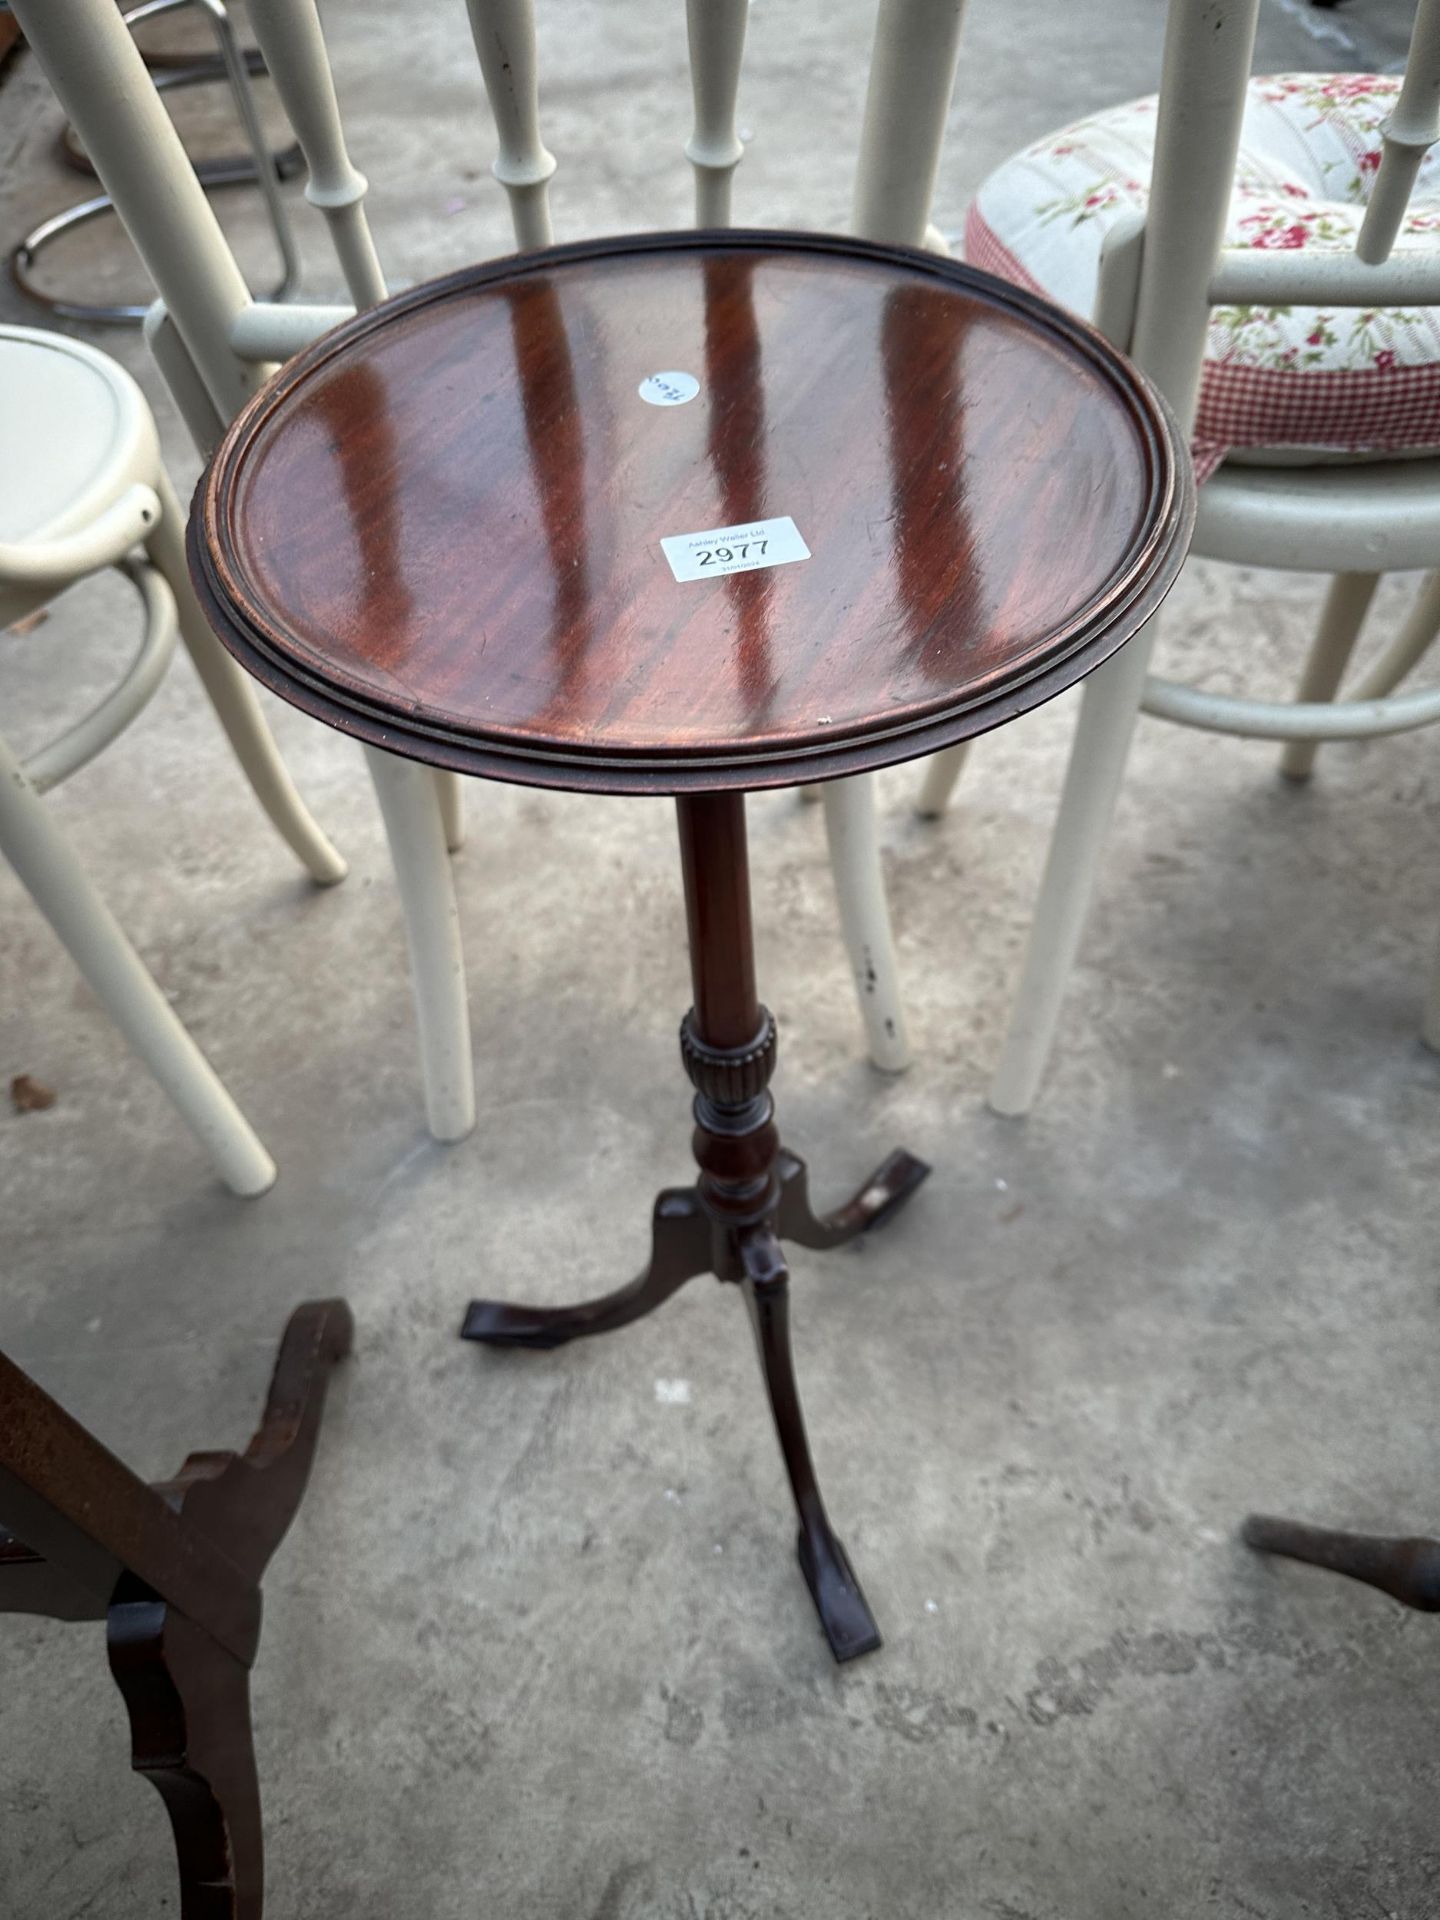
(680, 1251)
(844, 1612)
(881, 1197)
(750, 1195)
(191, 1736)
(187, 1696)
(728, 1044)
(1408, 1570)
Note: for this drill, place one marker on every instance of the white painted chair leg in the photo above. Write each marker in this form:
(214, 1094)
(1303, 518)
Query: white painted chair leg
(51, 873)
(1346, 605)
(1409, 646)
(1109, 706)
(716, 31)
(942, 770)
(504, 35)
(451, 795)
(238, 710)
(850, 826)
(410, 807)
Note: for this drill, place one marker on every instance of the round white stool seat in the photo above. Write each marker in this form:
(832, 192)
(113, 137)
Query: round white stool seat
(75, 431)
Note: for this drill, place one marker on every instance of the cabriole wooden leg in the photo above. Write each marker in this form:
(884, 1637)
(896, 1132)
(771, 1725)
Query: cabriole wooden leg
(187, 1696)
(190, 1736)
(881, 1197)
(844, 1613)
(680, 1250)
(1408, 1570)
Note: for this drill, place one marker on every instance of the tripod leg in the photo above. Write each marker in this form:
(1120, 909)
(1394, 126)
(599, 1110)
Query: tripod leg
(1408, 1570)
(878, 1201)
(680, 1250)
(188, 1699)
(246, 1502)
(187, 1696)
(848, 1622)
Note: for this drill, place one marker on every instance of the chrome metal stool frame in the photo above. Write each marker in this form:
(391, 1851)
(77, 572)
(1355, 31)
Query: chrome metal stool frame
(259, 167)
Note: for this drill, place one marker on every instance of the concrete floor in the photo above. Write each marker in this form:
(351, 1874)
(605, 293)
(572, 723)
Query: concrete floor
(538, 1644)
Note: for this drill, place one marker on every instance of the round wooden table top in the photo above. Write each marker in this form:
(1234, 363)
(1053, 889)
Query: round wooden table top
(689, 512)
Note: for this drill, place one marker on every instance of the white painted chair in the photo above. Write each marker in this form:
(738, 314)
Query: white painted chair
(215, 346)
(82, 489)
(1354, 490)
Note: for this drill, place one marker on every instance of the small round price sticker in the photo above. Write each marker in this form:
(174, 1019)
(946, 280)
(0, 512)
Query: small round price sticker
(668, 389)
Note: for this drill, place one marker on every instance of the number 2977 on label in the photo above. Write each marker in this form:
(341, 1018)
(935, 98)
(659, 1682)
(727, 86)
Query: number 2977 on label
(720, 550)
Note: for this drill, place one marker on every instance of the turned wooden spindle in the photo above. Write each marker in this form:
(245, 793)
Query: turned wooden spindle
(291, 38)
(1410, 132)
(727, 1039)
(504, 34)
(717, 41)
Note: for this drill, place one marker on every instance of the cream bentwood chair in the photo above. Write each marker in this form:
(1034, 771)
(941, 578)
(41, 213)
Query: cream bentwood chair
(1285, 307)
(215, 346)
(82, 489)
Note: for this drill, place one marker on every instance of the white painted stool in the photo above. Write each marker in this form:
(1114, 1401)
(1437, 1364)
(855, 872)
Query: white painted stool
(81, 489)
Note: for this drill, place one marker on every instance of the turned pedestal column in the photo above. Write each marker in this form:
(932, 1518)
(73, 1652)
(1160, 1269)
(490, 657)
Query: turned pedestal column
(749, 1197)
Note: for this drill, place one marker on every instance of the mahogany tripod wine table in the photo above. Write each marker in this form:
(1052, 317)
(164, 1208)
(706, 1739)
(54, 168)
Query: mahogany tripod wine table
(695, 514)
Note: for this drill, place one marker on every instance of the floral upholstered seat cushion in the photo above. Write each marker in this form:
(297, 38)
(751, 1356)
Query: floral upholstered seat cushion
(1324, 380)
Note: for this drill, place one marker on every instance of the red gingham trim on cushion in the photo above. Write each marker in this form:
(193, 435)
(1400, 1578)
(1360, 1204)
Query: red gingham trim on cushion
(986, 250)
(1357, 410)
(1361, 410)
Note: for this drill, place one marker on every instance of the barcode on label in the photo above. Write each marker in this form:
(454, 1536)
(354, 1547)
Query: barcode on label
(741, 549)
